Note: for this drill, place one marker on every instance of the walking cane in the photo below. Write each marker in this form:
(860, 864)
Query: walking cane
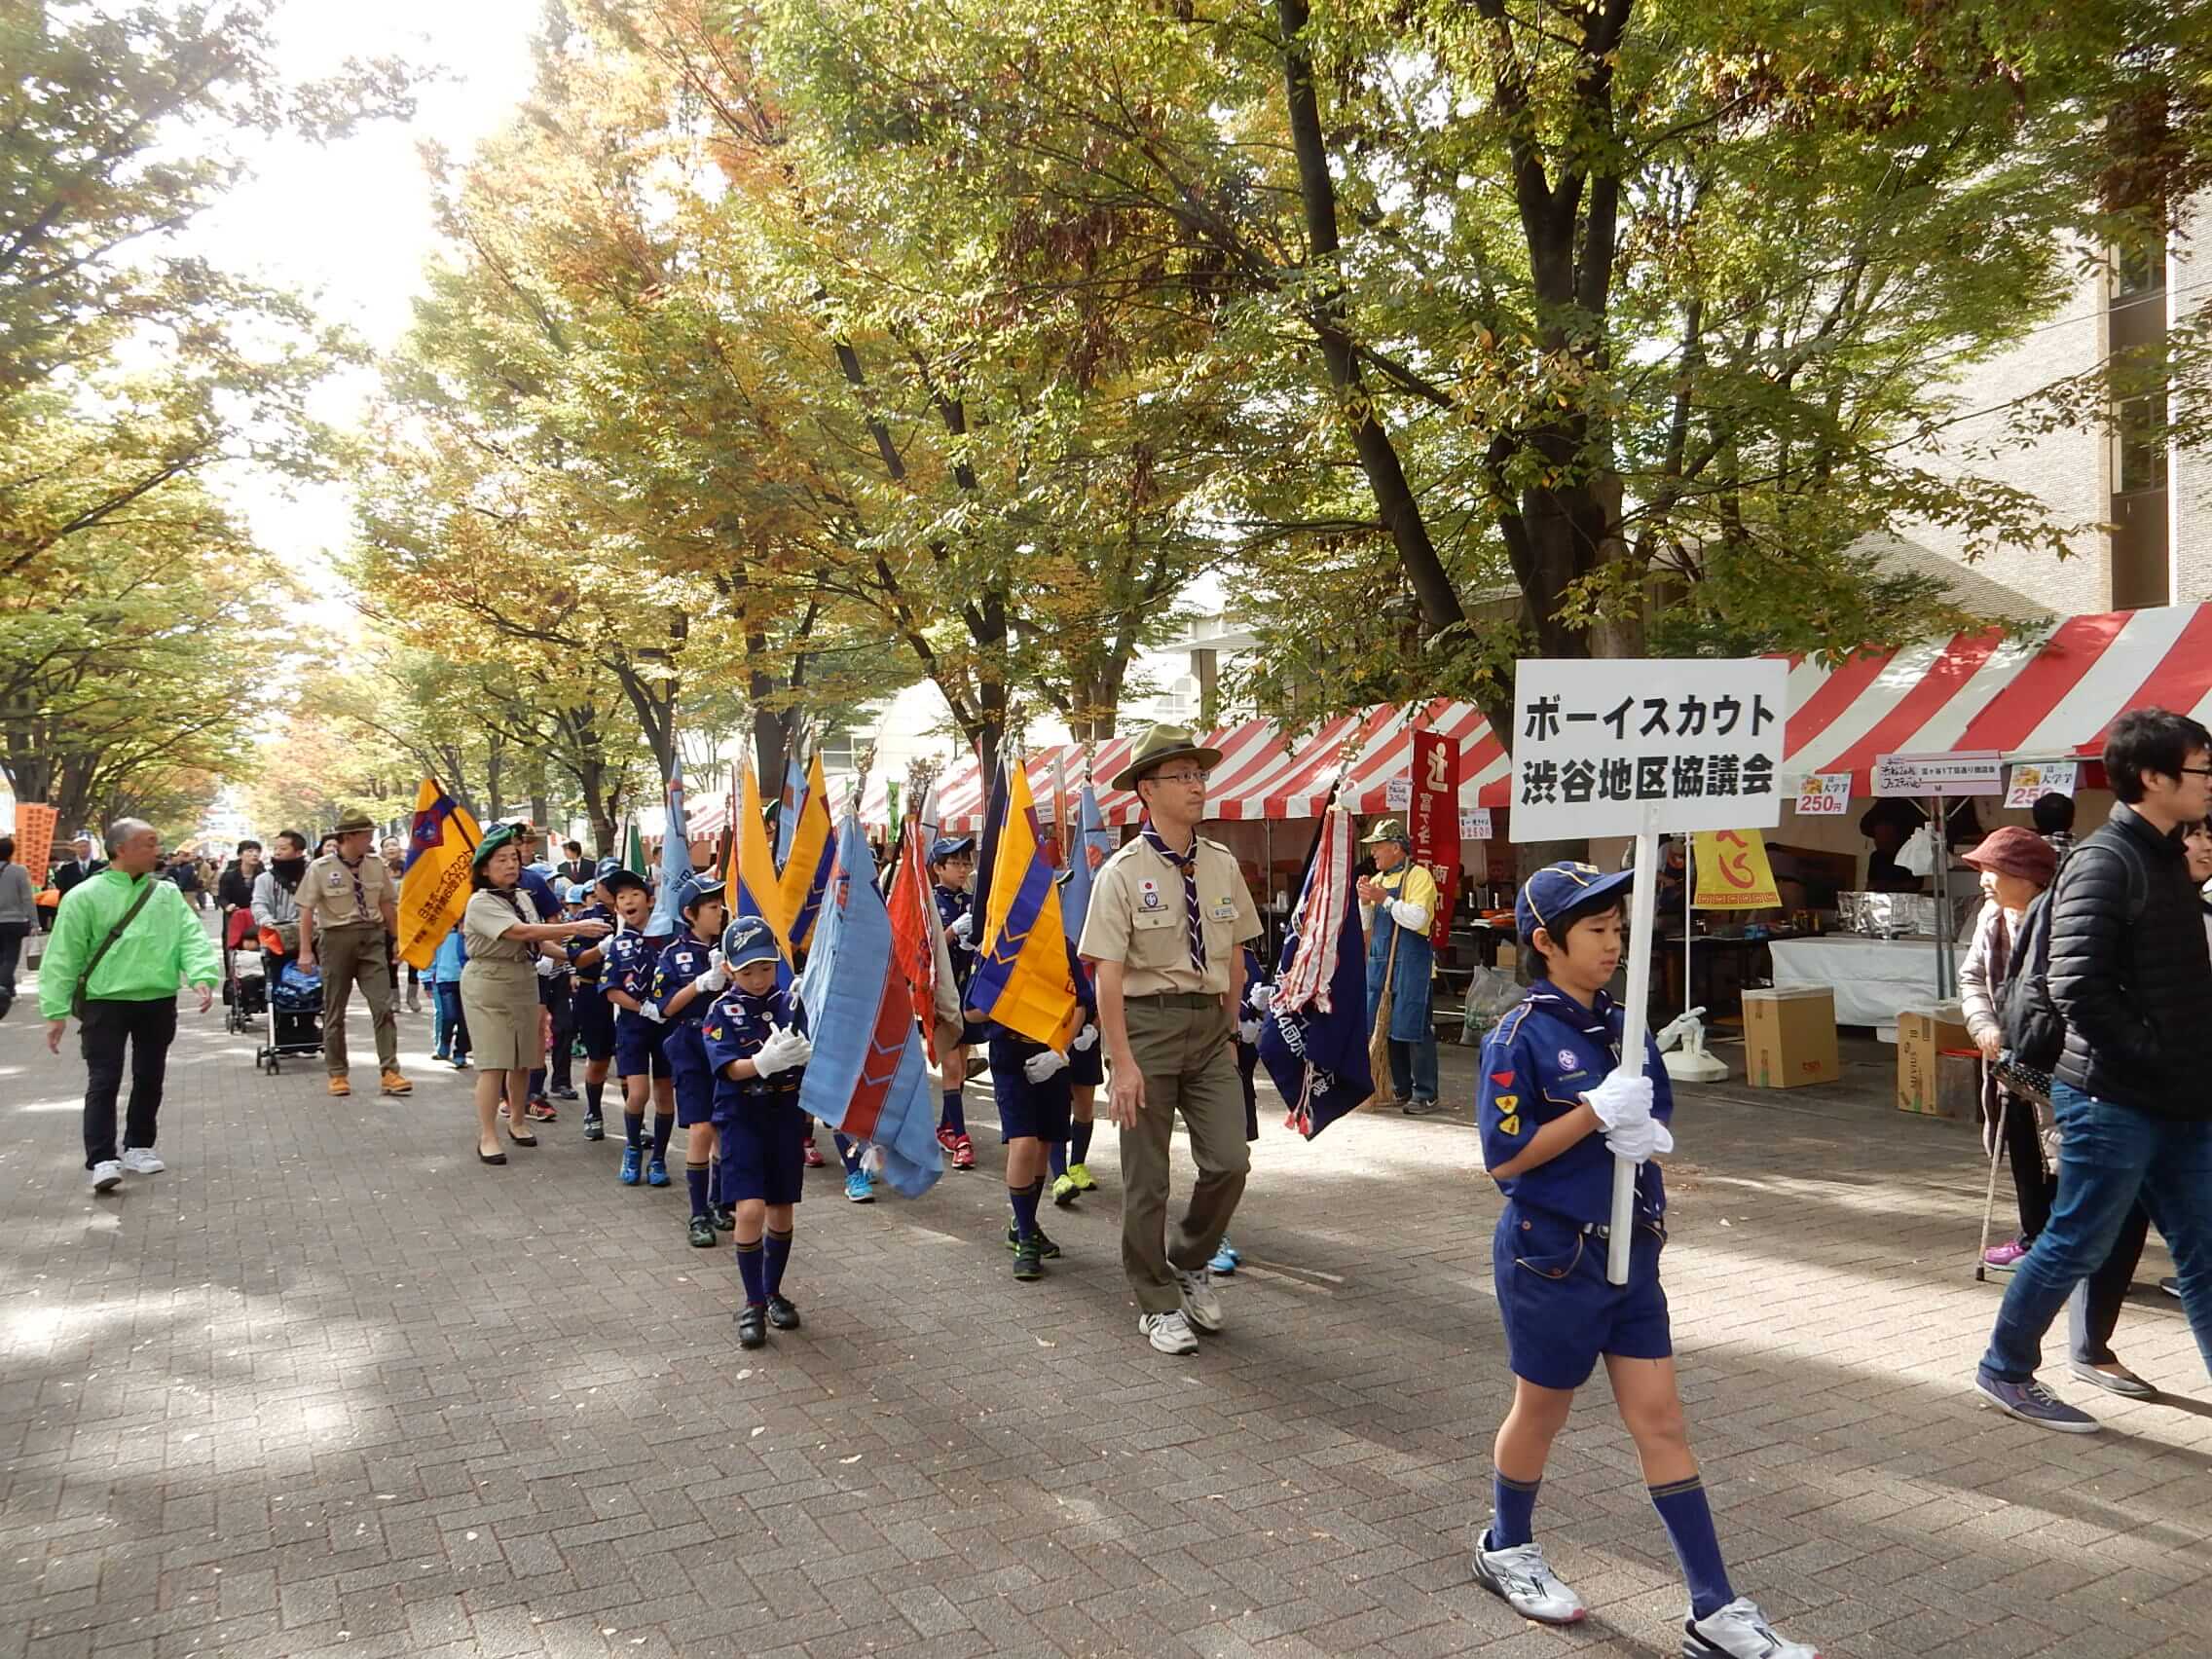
(1996, 1151)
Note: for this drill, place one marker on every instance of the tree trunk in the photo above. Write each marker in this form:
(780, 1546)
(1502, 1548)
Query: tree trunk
(495, 772)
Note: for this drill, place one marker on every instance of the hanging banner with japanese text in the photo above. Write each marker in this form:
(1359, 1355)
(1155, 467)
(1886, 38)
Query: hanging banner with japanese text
(34, 837)
(2030, 784)
(1434, 822)
(1733, 872)
(1607, 746)
(1823, 794)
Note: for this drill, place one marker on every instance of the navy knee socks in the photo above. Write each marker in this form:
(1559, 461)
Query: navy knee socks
(752, 1268)
(779, 1254)
(956, 1116)
(1688, 1520)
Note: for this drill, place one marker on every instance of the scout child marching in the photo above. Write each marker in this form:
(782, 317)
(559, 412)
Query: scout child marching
(1034, 1088)
(690, 976)
(1555, 1109)
(593, 1015)
(952, 874)
(759, 1057)
(639, 1060)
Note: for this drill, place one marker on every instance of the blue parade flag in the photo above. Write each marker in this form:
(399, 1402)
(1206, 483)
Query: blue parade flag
(1314, 1040)
(866, 1078)
(1093, 846)
(789, 805)
(666, 919)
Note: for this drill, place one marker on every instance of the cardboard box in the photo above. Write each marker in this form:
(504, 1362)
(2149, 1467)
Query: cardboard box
(1922, 1034)
(1508, 958)
(1789, 1037)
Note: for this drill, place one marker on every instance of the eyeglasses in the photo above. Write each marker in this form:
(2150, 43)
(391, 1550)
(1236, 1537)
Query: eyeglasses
(2198, 771)
(1198, 778)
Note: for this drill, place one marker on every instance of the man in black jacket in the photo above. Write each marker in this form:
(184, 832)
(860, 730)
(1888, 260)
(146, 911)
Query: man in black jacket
(2131, 973)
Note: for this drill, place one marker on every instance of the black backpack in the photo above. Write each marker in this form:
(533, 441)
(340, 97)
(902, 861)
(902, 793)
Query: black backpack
(2034, 1032)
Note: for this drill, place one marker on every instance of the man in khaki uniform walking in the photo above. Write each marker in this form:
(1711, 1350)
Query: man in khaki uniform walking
(1168, 916)
(349, 913)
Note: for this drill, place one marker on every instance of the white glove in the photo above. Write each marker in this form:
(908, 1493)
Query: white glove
(1247, 1031)
(1085, 1040)
(1039, 1068)
(547, 968)
(652, 1011)
(962, 928)
(1638, 1141)
(782, 1050)
(1623, 1098)
(1261, 999)
(714, 979)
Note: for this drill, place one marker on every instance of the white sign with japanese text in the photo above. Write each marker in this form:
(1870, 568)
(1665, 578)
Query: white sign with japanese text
(1605, 747)
(1398, 794)
(2030, 784)
(1970, 772)
(1475, 824)
(1823, 794)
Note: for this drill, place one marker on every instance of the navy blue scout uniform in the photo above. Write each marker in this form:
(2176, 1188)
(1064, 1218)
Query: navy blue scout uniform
(629, 969)
(686, 1056)
(763, 1129)
(594, 1013)
(1549, 1251)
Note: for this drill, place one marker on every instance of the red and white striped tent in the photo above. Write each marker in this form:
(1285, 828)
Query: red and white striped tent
(2049, 697)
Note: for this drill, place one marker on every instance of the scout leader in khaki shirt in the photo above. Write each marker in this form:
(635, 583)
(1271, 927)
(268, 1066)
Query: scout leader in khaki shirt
(1166, 996)
(349, 911)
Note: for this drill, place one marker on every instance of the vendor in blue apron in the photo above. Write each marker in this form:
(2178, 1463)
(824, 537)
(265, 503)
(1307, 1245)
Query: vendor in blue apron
(1556, 1108)
(1399, 901)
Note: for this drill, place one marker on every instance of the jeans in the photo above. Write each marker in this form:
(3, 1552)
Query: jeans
(2093, 1310)
(2109, 1157)
(1413, 1068)
(450, 1029)
(148, 1027)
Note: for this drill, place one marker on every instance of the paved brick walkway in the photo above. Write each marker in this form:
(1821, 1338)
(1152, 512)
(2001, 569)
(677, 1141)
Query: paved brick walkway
(328, 1387)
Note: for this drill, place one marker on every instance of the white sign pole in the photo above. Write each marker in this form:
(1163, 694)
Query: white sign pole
(1643, 908)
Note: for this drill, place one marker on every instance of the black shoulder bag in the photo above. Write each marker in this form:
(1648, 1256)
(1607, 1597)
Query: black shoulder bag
(77, 997)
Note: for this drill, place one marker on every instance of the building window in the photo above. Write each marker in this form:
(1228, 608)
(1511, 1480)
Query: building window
(2140, 269)
(2142, 444)
(836, 751)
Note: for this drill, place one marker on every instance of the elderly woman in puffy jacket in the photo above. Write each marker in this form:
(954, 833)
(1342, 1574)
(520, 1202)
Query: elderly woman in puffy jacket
(2016, 865)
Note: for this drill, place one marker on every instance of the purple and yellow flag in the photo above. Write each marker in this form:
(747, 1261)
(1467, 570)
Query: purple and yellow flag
(806, 868)
(866, 1078)
(750, 876)
(433, 884)
(1022, 976)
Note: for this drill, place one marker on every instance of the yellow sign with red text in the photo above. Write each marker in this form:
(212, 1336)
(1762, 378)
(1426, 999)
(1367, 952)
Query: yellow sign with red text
(1733, 872)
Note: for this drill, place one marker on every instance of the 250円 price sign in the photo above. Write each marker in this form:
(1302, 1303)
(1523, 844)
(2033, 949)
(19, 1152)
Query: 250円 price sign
(1611, 748)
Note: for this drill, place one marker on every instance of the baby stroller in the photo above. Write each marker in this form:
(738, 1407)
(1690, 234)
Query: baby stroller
(295, 1013)
(245, 987)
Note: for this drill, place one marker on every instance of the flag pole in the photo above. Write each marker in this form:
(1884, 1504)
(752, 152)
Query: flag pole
(1642, 909)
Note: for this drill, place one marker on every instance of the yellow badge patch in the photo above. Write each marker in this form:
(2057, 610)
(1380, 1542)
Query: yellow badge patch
(1507, 1104)
(1509, 1125)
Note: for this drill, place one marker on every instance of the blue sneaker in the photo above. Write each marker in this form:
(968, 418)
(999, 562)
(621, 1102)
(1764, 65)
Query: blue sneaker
(633, 1165)
(2032, 1402)
(656, 1172)
(859, 1188)
(1226, 1259)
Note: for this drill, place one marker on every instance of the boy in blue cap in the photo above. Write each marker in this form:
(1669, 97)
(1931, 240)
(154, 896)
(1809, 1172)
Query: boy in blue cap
(1035, 1098)
(590, 1013)
(952, 870)
(685, 982)
(1556, 1107)
(759, 1055)
(638, 1057)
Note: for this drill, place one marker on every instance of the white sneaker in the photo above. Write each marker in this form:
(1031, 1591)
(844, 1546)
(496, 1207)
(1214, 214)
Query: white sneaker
(1739, 1631)
(142, 1161)
(1168, 1332)
(1200, 1306)
(107, 1175)
(1523, 1580)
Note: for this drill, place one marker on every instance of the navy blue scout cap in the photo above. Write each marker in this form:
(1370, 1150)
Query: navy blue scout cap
(605, 868)
(950, 847)
(621, 880)
(698, 890)
(747, 941)
(1557, 892)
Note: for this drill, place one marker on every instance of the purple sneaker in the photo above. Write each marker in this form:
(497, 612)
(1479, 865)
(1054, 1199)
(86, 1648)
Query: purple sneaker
(2032, 1402)
(2006, 1254)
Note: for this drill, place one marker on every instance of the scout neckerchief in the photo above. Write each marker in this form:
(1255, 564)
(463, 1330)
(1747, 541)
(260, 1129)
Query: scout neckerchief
(360, 893)
(1188, 864)
(1594, 1022)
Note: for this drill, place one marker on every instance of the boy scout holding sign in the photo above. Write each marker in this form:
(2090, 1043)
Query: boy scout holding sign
(1168, 915)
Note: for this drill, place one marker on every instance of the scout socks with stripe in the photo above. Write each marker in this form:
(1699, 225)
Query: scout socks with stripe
(634, 1130)
(1688, 1520)
(751, 1267)
(955, 1119)
(1513, 1507)
(778, 1255)
(1057, 1158)
(1079, 1143)
(1024, 1203)
(595, 1099)
(664, 1125)
(696, 1183)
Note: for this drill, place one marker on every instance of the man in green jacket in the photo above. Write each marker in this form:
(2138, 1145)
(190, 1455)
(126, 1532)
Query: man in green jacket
(130, 980)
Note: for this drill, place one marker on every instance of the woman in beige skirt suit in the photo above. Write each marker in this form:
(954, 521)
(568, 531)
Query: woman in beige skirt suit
(498, 987)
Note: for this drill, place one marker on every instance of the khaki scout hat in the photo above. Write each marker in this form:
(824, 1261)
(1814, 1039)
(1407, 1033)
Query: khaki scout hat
(1160, 745)
(353, 822)
(1388, 830)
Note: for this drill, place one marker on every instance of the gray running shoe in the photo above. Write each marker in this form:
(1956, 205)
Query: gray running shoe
(2122, 1382)
(2032, 1402)
(1168, 1332)
(1201, 1307)
(1523, 1581)
(1739, 1631)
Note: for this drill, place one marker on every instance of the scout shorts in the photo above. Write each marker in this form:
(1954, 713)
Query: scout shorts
(762, 1151)
(595, 1022)
(1560, 1314)
(685, 1051)
(1025, 1108)
(638, 1047)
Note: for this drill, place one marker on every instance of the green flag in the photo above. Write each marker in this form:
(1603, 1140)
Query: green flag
(891, 793)
(633, 850)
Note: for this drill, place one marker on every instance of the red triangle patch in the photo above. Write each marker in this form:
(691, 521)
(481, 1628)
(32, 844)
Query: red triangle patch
(1503, 1080)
